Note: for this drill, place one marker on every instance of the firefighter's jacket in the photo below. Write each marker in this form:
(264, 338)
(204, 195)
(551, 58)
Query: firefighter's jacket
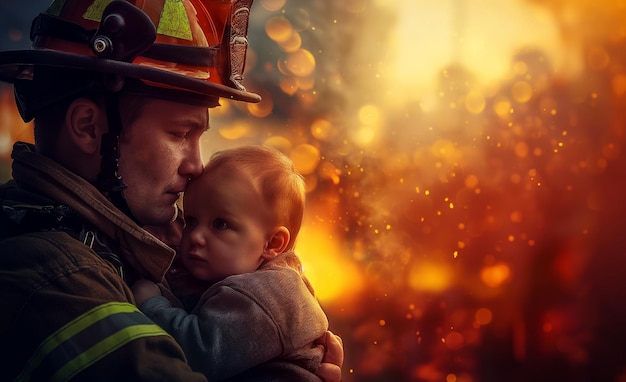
(67, 312)
(65, 252)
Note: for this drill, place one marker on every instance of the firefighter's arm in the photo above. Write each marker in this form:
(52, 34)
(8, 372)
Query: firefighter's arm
(73, 317)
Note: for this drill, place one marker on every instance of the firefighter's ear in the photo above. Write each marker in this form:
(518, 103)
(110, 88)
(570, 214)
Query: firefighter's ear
(83, 121)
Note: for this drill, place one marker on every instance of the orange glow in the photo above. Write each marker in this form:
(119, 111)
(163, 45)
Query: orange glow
(369, 115)
(454, 340)
(300, 63)
(321, 129)
(475, 102)
(278, 29)
(430, 277)
(332, 275)
(292, 43)
(305, 158)
(235, 130)
(281, 143)
(522, 91)
(289, 85)
(483, 316)
(464, 164)
(12, 128)
(272, 5)
(261, 109)
(495, 275)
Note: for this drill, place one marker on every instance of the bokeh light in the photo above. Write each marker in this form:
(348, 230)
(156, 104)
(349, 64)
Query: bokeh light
(464, 164)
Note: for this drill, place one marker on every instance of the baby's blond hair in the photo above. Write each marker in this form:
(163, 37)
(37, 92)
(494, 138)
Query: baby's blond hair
(273, 173)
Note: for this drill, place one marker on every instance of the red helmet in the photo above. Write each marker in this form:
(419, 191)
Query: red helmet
(182, 49)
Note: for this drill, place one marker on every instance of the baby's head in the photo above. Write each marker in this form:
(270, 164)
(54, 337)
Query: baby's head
(245, 209)
(273, 176)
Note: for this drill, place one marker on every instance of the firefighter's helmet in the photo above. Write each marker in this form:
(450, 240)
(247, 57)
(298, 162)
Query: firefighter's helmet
(193, 50)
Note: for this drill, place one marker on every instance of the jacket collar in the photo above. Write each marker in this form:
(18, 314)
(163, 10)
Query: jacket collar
(149, 256)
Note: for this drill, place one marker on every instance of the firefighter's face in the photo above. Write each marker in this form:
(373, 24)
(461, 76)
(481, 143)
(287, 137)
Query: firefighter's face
(159, 153)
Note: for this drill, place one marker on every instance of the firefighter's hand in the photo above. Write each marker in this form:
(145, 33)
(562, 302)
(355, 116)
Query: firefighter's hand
(330, 369)
(143, 290)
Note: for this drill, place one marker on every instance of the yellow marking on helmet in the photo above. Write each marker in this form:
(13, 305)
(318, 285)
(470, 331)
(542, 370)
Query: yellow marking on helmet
(174, 21)
(95, 10)
(56, 7)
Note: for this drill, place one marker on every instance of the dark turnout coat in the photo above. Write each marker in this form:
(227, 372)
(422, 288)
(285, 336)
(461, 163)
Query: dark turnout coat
(66, 256)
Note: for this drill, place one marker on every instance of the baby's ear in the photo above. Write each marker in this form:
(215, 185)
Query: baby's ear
(277, 243)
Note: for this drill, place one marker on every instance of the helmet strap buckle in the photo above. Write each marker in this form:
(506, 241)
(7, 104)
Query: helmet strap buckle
(125, 32)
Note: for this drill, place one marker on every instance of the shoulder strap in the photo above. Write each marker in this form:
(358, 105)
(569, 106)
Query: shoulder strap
(100, 245)
(19, 218)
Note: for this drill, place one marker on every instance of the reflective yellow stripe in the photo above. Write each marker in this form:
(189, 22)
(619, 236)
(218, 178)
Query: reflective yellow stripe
(174, 21)
(113, 314)
(95, 10)
(105, 347)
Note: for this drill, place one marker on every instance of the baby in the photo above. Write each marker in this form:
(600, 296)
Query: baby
(242, 218)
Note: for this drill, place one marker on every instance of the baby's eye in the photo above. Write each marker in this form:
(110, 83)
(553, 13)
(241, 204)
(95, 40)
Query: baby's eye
(220, 224)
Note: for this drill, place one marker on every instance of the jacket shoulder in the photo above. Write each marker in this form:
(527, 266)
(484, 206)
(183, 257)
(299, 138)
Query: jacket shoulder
(51, 242)
(51, 284)
(47, 255)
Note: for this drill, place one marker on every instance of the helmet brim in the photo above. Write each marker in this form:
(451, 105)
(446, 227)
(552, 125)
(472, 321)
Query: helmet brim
(13, 64)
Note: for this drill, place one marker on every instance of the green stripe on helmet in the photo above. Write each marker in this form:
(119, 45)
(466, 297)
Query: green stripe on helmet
(95, 10)
(174, 21)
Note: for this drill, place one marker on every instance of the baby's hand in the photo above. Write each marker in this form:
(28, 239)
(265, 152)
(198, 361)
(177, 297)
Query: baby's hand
(143, 290)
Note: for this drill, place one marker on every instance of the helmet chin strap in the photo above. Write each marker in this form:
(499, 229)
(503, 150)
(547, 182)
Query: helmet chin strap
(109, 181)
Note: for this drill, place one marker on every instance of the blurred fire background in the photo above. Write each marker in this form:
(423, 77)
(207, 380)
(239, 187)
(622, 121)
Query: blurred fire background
(465, 168)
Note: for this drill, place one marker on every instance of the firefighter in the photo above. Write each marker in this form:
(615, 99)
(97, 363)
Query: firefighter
(119, 92)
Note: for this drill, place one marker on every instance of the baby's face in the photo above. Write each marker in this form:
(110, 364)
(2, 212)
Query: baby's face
(225, 232)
